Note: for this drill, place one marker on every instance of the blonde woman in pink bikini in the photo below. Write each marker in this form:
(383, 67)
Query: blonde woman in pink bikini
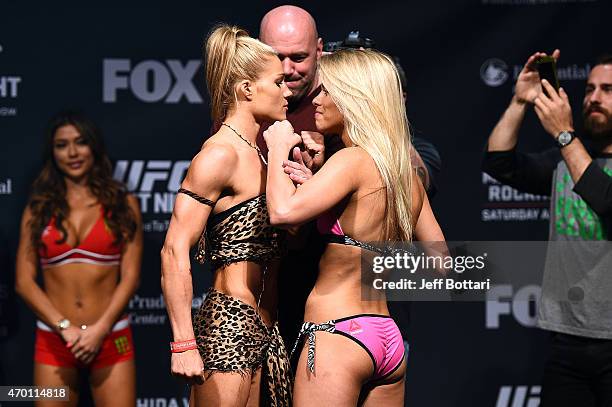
(365, 192)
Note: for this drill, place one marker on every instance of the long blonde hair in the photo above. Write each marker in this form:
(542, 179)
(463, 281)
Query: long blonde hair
(231, 56)
(365, 86)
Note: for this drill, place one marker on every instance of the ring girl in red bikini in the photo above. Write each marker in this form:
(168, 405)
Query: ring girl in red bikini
(353, 351)
(83, 232)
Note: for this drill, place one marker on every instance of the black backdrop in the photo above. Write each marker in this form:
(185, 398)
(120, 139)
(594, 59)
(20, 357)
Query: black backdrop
(135, 70)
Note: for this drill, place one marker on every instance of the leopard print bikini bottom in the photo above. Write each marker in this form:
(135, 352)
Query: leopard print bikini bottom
(232, 337)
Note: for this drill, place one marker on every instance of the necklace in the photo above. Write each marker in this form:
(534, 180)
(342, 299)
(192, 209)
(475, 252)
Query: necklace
(248, 142)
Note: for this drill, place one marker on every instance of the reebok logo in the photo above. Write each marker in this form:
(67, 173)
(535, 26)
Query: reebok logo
(355, 328)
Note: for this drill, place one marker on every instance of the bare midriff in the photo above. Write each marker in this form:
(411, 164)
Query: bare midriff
(338, 290)
(80, 291)
(243, 281)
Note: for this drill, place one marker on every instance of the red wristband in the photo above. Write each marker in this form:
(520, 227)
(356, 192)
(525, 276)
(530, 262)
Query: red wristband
(182, 346)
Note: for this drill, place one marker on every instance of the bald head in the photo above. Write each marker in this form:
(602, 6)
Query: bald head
(292, 32)
(288, 22)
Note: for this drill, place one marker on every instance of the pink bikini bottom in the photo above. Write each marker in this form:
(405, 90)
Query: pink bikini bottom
(378, 335)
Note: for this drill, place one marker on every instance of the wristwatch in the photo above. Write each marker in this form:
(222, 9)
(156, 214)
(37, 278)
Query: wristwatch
(63, 324)
(565, 137)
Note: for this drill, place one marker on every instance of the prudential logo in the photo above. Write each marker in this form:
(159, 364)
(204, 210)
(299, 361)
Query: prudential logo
(494, 72)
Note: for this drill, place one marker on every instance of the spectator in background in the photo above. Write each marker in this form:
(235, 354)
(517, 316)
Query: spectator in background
(579, 180)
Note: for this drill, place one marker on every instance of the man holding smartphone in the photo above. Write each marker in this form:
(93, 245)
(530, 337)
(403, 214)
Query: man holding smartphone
(579, 181)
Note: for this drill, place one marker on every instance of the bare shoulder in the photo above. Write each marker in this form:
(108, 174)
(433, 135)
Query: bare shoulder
(354, 166)
(133, 203)
(27, 213)
(211, 169)
(359, 163)
(214, 156)
(26, 217)
(350, 157)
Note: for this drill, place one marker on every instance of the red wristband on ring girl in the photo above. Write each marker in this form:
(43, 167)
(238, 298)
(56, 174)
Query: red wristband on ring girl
(182, 346)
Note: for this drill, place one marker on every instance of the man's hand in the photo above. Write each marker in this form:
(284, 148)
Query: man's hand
(554, 111)
(313, 155)
(297, 170)
(528, 82)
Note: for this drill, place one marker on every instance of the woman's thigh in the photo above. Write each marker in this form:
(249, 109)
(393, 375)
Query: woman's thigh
(114, 385)
(341, 368)
(227, 389)
(55, 376)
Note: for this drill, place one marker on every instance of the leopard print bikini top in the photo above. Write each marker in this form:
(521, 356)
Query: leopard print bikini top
(240, 233)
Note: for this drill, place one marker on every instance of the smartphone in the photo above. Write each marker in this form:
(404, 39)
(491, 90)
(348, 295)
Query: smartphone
(547, 68)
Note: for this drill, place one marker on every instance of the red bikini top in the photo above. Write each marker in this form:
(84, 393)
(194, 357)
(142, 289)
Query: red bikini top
(96, 248)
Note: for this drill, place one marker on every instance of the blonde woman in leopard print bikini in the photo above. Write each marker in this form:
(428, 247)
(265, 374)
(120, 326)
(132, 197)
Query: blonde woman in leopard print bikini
(232, 353)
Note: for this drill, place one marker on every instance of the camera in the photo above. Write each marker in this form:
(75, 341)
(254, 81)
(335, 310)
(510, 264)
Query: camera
(353, 40)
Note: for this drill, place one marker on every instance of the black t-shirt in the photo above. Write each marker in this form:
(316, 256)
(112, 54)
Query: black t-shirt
(533, 173)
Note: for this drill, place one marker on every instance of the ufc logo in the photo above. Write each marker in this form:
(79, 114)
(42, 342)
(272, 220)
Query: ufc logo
(142, 175)
(519, 396)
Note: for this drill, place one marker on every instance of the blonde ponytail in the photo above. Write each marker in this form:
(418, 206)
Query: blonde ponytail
(231, 56)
